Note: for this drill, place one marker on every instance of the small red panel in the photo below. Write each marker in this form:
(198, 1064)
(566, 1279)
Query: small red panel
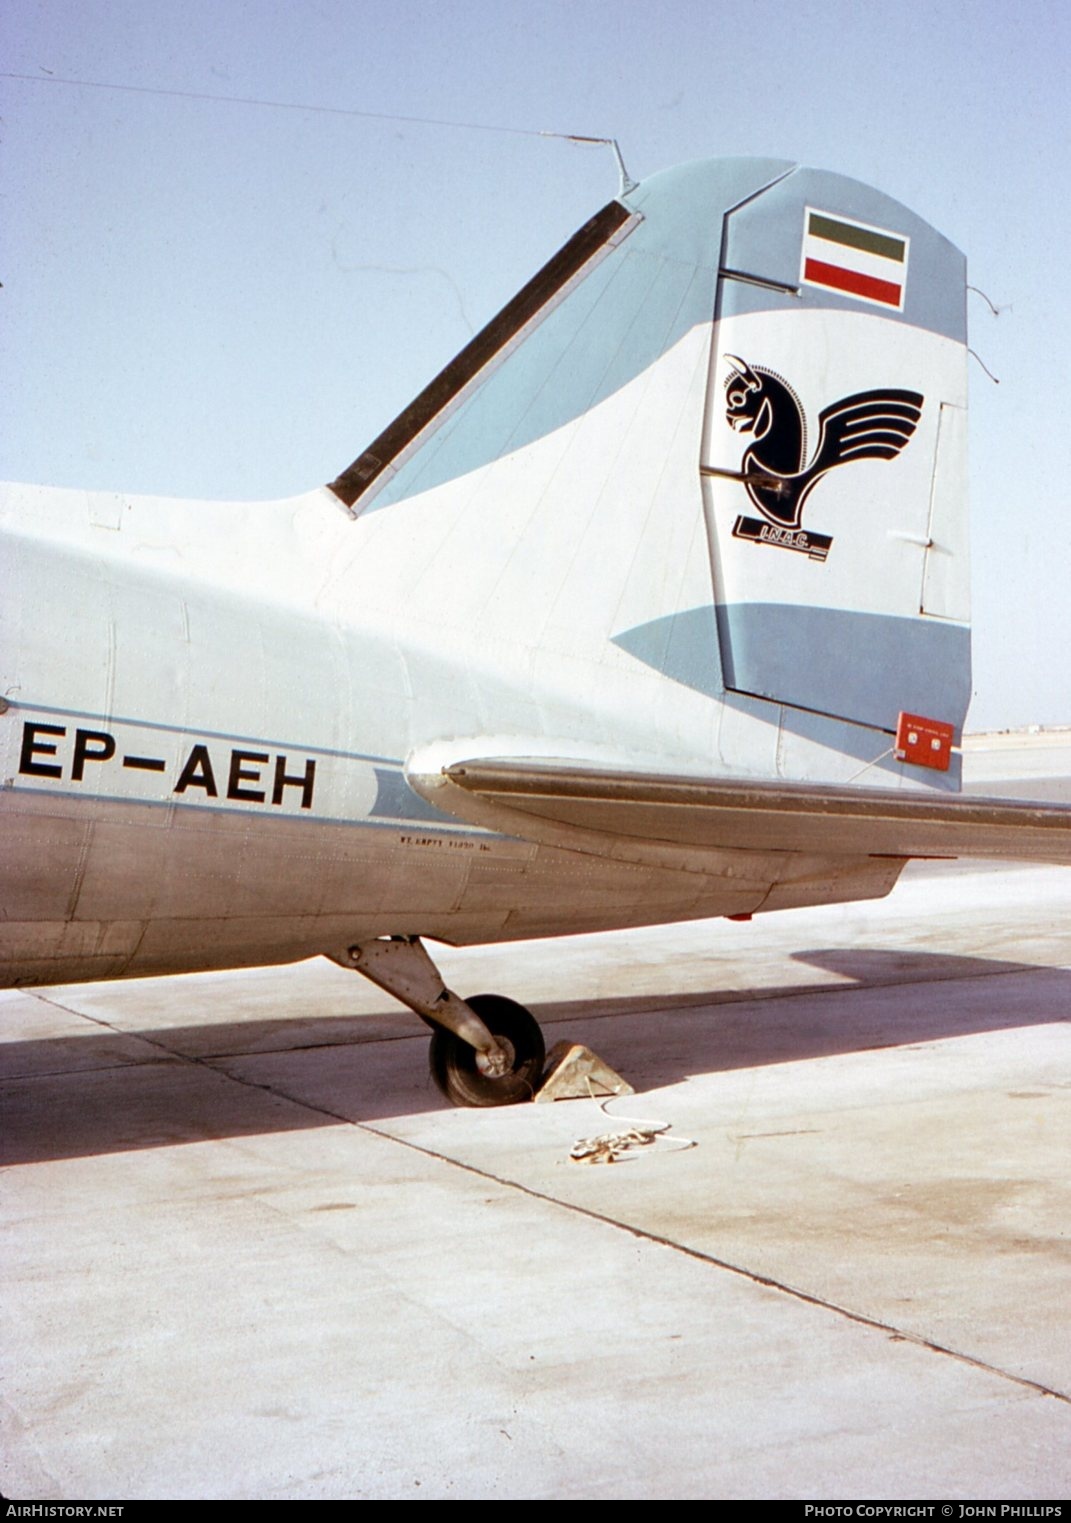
(924, 742)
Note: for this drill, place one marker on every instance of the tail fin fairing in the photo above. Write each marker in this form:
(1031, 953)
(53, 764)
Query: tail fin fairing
(615, 298)
(429, 409)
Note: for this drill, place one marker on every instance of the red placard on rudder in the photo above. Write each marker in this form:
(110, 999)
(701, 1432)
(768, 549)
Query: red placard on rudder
(924, 742)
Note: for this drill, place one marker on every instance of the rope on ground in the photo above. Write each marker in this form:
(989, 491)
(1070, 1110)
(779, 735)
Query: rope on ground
(627, 1144)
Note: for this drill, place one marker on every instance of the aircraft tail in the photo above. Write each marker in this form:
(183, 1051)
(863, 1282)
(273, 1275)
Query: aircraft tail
(703, 480)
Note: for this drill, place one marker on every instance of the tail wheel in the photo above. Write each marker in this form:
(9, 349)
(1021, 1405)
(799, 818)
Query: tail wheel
(456, 1067)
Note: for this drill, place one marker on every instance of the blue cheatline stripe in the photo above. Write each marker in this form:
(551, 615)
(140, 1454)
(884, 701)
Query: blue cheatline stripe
(395, 800)
(682, 646)
(865, 667)
(814, 698)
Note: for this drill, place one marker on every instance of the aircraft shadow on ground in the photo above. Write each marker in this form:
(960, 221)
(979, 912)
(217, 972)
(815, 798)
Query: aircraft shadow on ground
(80, 1096)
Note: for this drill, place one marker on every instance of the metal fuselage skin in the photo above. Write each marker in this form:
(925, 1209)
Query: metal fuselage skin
(217, 776)
(209, 707)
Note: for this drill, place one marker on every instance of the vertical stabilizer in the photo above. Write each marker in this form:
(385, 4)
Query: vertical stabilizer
(698, 488)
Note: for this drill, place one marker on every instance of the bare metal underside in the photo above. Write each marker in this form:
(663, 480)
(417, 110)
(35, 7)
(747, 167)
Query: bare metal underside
(228, 892)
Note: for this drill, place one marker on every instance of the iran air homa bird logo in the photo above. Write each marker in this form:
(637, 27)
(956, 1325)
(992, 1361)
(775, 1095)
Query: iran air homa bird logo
(775, 470)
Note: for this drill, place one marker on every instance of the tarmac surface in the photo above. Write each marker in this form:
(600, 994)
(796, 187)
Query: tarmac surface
(251, 1253)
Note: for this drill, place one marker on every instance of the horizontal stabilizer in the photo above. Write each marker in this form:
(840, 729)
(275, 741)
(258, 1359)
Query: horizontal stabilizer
(713, 814)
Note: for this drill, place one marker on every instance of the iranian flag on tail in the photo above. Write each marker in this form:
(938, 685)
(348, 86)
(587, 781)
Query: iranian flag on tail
(854, 259)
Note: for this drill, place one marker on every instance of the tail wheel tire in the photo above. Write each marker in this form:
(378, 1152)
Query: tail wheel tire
(456, 1067)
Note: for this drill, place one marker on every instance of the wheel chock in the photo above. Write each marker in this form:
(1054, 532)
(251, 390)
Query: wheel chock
(575, 1073)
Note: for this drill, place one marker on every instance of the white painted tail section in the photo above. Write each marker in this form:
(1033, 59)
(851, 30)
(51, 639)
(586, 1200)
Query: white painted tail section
(700, 489)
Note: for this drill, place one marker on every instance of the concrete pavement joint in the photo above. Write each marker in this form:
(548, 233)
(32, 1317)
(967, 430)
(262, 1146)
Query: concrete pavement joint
(765, 1281)
(90, 1068)
(860, 1318)
(83, 1015)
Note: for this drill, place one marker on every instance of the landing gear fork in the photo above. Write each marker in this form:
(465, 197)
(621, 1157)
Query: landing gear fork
(484, 1051)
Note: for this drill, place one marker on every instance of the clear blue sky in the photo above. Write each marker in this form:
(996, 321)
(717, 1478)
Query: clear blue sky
(221, 300)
